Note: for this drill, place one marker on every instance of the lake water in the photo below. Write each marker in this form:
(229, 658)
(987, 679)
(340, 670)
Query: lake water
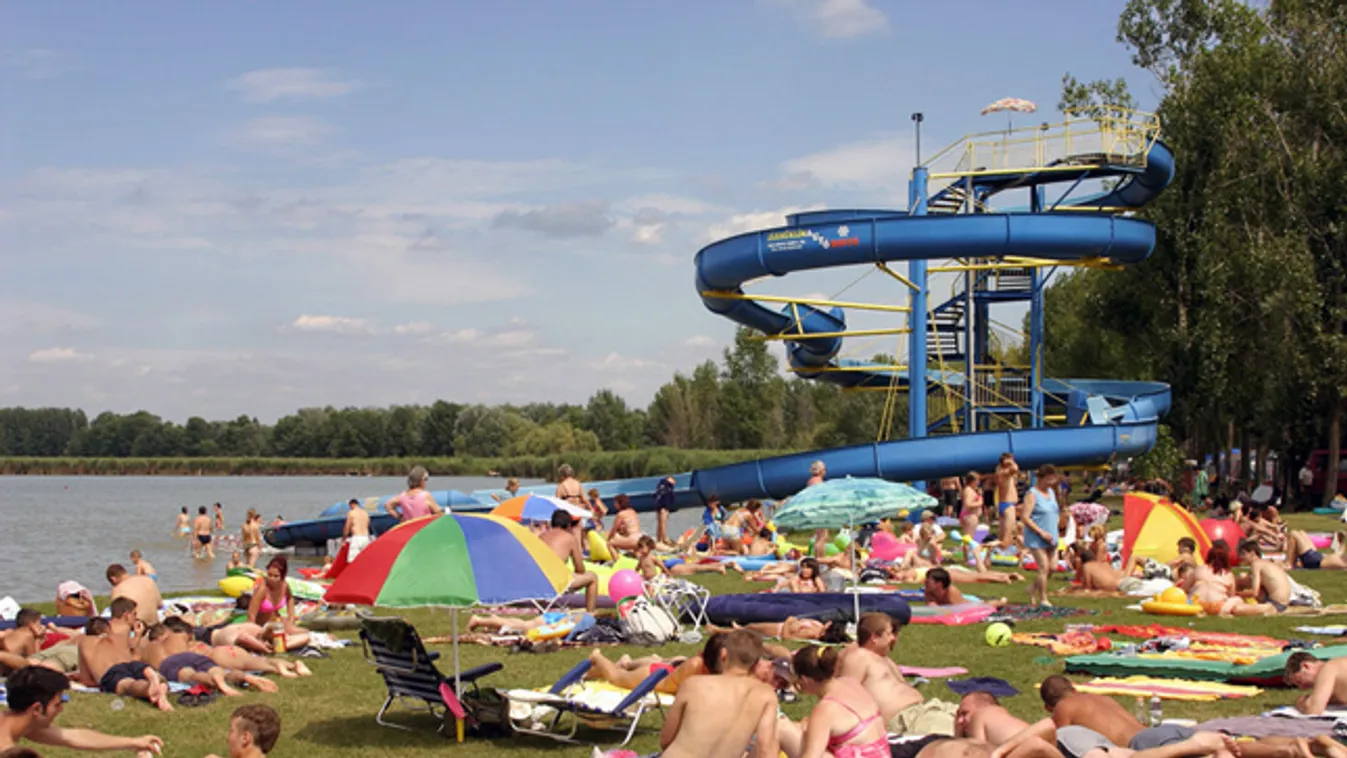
(56, 528)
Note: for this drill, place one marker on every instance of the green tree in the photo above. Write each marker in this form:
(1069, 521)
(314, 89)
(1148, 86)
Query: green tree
(607, 416)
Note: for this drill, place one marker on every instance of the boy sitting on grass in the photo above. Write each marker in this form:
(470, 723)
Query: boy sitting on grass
(253, 731)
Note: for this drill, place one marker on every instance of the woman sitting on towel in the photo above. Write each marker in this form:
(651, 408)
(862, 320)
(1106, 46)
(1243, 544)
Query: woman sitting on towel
(846, 723)
(1213, 587)
(271, 595)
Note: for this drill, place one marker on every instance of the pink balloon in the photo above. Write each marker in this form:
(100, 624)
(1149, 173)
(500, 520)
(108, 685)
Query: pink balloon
(625, 583)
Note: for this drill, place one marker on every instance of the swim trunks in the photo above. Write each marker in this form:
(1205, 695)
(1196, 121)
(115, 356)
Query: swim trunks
(909, 748)
(173, 665)
(949, 498)
(203, 633)
(355, 544)
(1160, 736)
(660, 667)
(1311, 559)
(117, 674)
(1001, 508)
(1076, 741)
(935, 717)
(203, 539)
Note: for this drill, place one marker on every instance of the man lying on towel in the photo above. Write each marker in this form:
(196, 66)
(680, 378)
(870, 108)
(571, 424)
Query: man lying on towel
(903, 707)
(1326, 680)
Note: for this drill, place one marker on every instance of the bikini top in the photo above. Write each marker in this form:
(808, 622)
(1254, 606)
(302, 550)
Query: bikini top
(836, 741)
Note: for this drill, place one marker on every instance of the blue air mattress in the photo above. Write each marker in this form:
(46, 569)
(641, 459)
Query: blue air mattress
(778, 606)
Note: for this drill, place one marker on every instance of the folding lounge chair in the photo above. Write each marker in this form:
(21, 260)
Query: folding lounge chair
(394, 648)
(627, 712)
(684, 600)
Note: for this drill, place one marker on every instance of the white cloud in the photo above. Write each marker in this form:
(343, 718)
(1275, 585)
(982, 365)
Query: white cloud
(414, 327)
(336, 324)
(700, 340)
(883, 162)
(36, 63)
(566, 220)
(279, 134)
(267, 84)
(840, 19)
(27, 316)
(59, 355)
(740, 223)
(648, 234)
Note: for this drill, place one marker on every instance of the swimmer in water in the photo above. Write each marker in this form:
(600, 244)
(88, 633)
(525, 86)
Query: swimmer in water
(183, 528)
(143, 567)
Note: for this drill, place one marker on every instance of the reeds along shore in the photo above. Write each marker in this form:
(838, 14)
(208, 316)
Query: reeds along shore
(591, 466)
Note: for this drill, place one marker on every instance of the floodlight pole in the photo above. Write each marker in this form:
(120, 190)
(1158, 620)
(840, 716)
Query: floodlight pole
(917, 118)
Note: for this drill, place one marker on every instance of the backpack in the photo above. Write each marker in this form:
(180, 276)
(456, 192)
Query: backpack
(646, 618)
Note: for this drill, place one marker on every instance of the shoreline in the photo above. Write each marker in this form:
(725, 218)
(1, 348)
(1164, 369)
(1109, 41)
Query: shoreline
(618, 464)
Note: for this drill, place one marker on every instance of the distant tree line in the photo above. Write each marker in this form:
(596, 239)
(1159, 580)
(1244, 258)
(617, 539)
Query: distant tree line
(743, 403)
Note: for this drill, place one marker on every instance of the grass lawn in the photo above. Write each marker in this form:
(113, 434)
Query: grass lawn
(332, 713)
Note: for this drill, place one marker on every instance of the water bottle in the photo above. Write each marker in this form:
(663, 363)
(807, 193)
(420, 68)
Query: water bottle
(1157, 711)
(1140, 712)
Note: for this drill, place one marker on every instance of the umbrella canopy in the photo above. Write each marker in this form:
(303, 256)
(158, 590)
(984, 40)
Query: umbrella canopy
(847, 502)
(455, 560)
(1012, 104)
(537, 508)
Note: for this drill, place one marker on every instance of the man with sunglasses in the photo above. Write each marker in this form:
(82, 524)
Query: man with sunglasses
(36, 696)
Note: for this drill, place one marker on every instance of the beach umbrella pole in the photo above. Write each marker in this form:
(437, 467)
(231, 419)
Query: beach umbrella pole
(855, 580)
(453, 628)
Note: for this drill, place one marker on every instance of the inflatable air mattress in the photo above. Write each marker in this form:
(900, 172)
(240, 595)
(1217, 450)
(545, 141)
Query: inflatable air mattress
(751, 562)
(1267, 671)
(778, 606)
(951, 615)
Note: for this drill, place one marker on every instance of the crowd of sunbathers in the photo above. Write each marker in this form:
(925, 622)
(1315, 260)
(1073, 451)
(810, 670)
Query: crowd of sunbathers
(725, 705)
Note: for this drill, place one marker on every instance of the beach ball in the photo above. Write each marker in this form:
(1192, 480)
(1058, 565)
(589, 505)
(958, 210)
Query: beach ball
(1173, 595)
(998, 635)
(625, 583)
(842, 539)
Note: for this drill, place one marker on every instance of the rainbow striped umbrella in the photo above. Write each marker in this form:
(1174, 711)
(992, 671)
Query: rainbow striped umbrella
(537, 508)
(456, 560)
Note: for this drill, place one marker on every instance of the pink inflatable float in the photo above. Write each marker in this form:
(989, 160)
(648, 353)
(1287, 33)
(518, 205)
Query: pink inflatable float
(886, 547)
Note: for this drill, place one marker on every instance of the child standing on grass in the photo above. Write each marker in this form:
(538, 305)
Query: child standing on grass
(253, 731)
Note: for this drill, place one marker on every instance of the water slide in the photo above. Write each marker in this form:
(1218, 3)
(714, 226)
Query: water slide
(1106, 419)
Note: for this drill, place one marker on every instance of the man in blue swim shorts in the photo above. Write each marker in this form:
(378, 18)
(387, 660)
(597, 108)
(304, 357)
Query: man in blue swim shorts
(107, 659)
(1007, 496)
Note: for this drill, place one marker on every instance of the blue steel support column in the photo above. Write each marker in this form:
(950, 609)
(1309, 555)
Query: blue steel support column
(916, 346)
(970, 416)
(1036, 282)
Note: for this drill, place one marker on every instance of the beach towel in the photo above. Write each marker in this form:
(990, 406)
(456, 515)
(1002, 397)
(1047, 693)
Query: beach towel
(930, 673)
(1067, 643)
(1167, 689)
(1302, 596)
(1290, 712)
(1228, 639)
(1151, 587)
(1018, 612)
(1331, 631)
(1259, 727)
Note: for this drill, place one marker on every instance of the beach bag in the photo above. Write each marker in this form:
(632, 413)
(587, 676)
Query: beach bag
(488, 714)
(646, 618)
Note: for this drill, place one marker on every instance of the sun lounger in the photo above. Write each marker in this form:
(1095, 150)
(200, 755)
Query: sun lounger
(545, 713)
(394, 648)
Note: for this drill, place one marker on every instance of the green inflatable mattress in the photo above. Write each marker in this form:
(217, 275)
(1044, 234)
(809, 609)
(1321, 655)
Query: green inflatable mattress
(1268, 670)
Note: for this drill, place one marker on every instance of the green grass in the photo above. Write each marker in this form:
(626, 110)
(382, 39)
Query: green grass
(331, 713)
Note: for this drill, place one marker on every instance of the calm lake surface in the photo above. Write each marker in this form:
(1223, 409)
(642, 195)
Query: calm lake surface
(57, 528)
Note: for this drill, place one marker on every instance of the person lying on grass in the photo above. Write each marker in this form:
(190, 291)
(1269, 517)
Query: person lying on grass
(36, 696)
(1101, 578)
(253, 731)
(913, 572)
(629, 674)
(208, 642)
(110, 660)
(1326, 680)
(937, 590)
(521, 625)
(20, 644)
(1306, 555)
(1213, 587)
(794, 629)
(651, 566)
(1149, 568)
(169, 651)
(729, 711)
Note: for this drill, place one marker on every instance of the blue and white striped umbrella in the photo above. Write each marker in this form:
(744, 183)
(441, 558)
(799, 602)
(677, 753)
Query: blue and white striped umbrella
(849, 502)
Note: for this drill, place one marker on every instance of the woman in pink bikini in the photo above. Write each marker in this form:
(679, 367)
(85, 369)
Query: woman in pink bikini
(270, 595)
(415, 501)
(846, 723)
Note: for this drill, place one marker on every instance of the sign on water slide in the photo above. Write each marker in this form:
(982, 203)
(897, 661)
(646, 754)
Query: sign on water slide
(798, 239)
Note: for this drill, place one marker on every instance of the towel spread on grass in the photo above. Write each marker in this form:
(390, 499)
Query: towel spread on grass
(1167, 689)
(1227, 639)
(1260, 727)
(1291, 712)
(1017, 612)
(1066, 643)
(932, 673)
(988, 684)
(173, 687)
(1331, 631)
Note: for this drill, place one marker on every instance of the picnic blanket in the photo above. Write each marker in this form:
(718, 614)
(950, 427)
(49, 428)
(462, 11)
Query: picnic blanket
(1331, 631)
(1167, 689)
(1066, 643)
(1228, 639)
(1260, 727)
(930, 673)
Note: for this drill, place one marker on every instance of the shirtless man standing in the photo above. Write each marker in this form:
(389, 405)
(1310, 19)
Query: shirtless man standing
(717, 716)
(900, 703)
(142, 590)
(36, 696)
(1007, 497)
(201, 529)
(1326, 680)
(1269, 582)
(356, 529)
(563, 542)
(108, 659)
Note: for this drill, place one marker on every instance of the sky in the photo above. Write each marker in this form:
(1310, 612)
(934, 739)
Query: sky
(245, 208)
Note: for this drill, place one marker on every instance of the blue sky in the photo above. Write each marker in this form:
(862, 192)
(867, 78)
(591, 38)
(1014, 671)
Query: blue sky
(218, 209)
